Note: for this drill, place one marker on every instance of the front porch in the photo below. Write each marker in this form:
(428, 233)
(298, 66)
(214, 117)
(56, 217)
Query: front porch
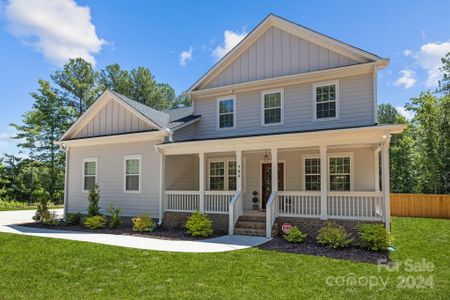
(287, 182)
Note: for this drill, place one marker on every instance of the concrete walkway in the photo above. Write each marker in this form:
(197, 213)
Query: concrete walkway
(9, 219)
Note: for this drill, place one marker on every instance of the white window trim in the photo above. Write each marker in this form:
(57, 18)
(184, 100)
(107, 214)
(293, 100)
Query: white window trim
(225, 161)
(92, 159)
(325, 83)
(230, 97)
(352, 170)
(263, 93)
(128, 157)
(304, 157)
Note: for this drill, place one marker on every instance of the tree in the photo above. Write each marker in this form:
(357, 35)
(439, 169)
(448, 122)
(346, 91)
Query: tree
(444, 83)
(112, 77)
(403, 152)
(78, 83)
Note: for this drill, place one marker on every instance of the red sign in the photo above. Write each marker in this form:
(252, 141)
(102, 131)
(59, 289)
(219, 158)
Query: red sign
(285, 227)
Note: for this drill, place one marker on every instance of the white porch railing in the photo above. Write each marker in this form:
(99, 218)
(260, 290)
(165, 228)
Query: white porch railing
(299, 204)
(271, 213)
(187, 201)
(234, 211)
(355, 205)
(217, 201)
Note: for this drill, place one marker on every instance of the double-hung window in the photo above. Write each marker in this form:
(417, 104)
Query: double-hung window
(272, 107)
(312, 174)
(340, 173)
(89, 173)
(326, 100)
(132, 173)
(222, 175)
(226, 112)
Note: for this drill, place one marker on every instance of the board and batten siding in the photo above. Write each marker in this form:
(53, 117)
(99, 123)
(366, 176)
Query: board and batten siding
(355, 104)
(110, 176)
(113, 118)
(278, 53)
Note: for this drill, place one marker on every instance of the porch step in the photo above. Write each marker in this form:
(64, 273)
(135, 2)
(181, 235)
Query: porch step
(252, 225)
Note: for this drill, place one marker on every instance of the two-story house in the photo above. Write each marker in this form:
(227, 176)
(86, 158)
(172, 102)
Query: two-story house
(284, 127)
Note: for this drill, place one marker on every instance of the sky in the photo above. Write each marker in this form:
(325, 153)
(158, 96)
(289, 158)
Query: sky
(180, 40)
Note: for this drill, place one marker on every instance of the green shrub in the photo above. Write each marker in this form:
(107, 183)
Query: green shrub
(42, 207)
(93, 199)
(373, 237)
(116, 220)
(50, 218)
(95, 222)
(143, 223)
(199, 225)
(334, 236)
(294, 235)
(73, 218)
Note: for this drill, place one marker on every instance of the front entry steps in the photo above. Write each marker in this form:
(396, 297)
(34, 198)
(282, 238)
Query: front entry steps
(253, 225)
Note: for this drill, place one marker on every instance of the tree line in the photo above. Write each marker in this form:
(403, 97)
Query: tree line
(420, 156)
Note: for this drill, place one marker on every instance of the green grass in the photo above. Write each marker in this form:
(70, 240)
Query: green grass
(17, 205)
(38, 268)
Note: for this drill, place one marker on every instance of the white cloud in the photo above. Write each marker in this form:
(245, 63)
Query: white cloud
(407, 79)
(59, 29)
(185, 56)
(407, 52)
(406, 113)
(230, 40)
(7, 144)
(429, 59)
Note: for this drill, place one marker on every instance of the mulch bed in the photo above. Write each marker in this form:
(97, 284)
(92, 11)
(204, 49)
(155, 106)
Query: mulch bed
(310, 247)
(159, 232)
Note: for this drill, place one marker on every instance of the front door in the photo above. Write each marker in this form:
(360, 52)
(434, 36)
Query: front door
(267, 181)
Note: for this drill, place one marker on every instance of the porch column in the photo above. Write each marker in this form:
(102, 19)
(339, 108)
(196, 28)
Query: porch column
(323, 183)
(376, 168)
(274, 153)
(162, 185)
(239, 176)
(201, 184)
(386, 185)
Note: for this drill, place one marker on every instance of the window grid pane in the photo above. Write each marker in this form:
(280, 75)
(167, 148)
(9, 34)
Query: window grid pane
(340, 173)
(226, 113)
(89, 182)
(132, 166)
(90, 168)
(132, 183)
(312, 174)
(326, 101)
(272, 108)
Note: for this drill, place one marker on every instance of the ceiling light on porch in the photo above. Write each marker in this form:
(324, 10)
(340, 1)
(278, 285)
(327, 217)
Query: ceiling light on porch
(266, 157)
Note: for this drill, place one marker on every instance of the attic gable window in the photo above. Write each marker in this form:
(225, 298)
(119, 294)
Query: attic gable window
(272, 107)
(226, 112)
(326, 100)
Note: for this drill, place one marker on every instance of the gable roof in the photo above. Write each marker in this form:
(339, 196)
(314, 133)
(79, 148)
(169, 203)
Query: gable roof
(160, 120)
(308, 34)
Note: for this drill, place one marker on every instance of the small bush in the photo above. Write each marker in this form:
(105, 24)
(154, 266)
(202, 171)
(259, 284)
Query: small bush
(93, 199)
(116, 220)
(73, 218)
(294, 235)
(42, 207)
(50, 218)
(143, 223)
(199, 225)
(373, 237)
(95, 222)
(334, 236)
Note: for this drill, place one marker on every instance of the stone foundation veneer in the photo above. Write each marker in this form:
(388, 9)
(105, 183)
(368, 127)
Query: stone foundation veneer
(177, 220)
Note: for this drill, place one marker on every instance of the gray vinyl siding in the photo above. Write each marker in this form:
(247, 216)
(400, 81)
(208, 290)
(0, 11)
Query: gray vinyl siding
(278, 53)
(186, 133)
(113, 118)
(110, 164)
(355, 103)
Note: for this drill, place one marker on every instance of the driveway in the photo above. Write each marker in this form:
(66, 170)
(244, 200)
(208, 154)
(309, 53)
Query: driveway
(10, 219)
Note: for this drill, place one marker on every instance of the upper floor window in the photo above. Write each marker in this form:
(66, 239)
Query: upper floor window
(226, 112)
(89, 173)
(132, 173)
(340, 173)
(272, 107)
(326, 100)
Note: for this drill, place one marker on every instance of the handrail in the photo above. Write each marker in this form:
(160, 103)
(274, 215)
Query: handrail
(233, 213)
(220, 192)
(270, 213)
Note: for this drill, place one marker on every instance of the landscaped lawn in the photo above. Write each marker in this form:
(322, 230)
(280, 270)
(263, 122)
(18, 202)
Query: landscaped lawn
(38, 268)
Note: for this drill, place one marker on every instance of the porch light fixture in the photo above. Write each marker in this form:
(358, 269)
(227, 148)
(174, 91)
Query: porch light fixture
(266, 157)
